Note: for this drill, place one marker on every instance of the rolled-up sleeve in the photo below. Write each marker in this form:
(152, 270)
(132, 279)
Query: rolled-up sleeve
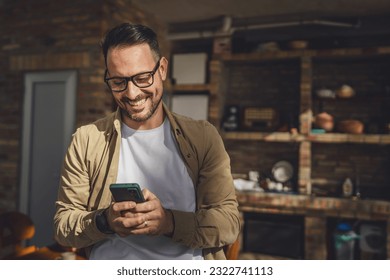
(73, 225)
(216, 222)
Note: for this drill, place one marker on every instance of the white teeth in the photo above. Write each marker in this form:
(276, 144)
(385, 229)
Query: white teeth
(137, 103)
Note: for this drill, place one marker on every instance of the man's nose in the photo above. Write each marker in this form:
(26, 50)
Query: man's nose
(132, 90)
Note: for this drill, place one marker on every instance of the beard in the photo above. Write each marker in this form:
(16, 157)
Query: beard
(149, 113)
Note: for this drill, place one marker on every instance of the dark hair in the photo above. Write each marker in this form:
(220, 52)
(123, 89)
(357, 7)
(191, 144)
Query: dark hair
(128, 34)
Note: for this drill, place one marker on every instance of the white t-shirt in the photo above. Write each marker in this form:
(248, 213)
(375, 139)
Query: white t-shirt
(152, 159)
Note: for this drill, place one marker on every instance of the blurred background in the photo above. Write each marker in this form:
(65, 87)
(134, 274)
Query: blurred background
(299, 90)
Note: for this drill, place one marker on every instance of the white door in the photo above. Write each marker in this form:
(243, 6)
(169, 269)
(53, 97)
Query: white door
(48, 123)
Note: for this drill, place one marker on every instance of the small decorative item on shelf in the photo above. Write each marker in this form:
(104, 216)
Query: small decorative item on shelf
(350, 126)
(298, 44)
(325, 93)
(231, 118)
(317, 131)
(253, 175)
(280, 178)
(268, 46)
(282, 171)
(324, 121)
(345, 91)
(347, 188)
(258, 118)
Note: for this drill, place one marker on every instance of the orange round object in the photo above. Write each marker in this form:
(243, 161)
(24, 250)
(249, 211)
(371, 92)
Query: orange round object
(350, 126)
(324, 121)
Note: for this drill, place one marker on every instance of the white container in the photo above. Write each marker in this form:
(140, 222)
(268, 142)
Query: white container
(189, 68)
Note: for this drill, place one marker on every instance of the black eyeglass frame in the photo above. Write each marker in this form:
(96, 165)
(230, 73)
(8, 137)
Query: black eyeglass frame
(131, 78)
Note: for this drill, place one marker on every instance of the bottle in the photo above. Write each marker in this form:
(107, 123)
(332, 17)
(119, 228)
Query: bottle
(344, 241)
(347, 187)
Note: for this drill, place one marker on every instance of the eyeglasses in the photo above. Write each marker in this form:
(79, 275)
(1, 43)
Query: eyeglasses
(141, 80)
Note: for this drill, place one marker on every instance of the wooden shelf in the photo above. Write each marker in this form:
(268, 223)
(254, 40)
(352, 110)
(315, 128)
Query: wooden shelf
(264, 136)
(261, 56)
(303, 204)
(191, 87)
(336, 138)
(286, 54)
(350, 138)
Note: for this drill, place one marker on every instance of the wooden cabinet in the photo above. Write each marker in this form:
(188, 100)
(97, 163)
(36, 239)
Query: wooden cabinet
(287, 81)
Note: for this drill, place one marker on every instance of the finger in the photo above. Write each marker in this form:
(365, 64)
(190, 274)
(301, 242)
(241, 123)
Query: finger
(123, 206)
(142, 226)
(130, 214)
(133, 222)
(148, 227)
(126, 228)
(146, 207)
(148, 195)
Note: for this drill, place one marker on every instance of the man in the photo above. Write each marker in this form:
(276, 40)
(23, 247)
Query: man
(190, 210)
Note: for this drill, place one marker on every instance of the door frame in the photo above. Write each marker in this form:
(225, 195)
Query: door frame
(70, 80)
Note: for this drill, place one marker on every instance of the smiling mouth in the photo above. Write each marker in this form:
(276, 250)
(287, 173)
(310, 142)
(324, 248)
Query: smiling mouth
(137, 103)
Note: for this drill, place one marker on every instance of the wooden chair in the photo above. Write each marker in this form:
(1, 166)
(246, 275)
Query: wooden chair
(232, 251)
(15, 229)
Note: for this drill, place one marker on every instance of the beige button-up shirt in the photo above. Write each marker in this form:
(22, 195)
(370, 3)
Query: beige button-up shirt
(91, 165)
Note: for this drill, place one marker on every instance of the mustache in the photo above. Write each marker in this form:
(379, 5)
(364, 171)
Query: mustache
(137, 98)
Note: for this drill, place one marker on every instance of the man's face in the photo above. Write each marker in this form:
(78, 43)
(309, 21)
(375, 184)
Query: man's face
(141, 107)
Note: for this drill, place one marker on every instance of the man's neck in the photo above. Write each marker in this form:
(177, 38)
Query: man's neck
(154, 121)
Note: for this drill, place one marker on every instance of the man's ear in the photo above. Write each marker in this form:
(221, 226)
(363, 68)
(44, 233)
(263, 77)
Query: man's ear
(163, 69)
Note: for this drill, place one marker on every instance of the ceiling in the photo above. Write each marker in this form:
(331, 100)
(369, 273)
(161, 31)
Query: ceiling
(203, 15)
(255, 21)
(174, 11)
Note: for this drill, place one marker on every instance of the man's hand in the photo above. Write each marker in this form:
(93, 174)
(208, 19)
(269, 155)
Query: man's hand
(148, 217)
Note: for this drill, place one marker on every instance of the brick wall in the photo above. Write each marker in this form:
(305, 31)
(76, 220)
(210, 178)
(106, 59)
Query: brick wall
(315, 239)
(44, 35)
(267, 84)
(367, 165)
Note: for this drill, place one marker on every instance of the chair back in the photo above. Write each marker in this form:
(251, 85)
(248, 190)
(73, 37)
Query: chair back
(15, 229)
(232, 251)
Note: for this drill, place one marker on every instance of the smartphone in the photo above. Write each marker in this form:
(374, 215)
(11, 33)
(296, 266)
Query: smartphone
(127, 192)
